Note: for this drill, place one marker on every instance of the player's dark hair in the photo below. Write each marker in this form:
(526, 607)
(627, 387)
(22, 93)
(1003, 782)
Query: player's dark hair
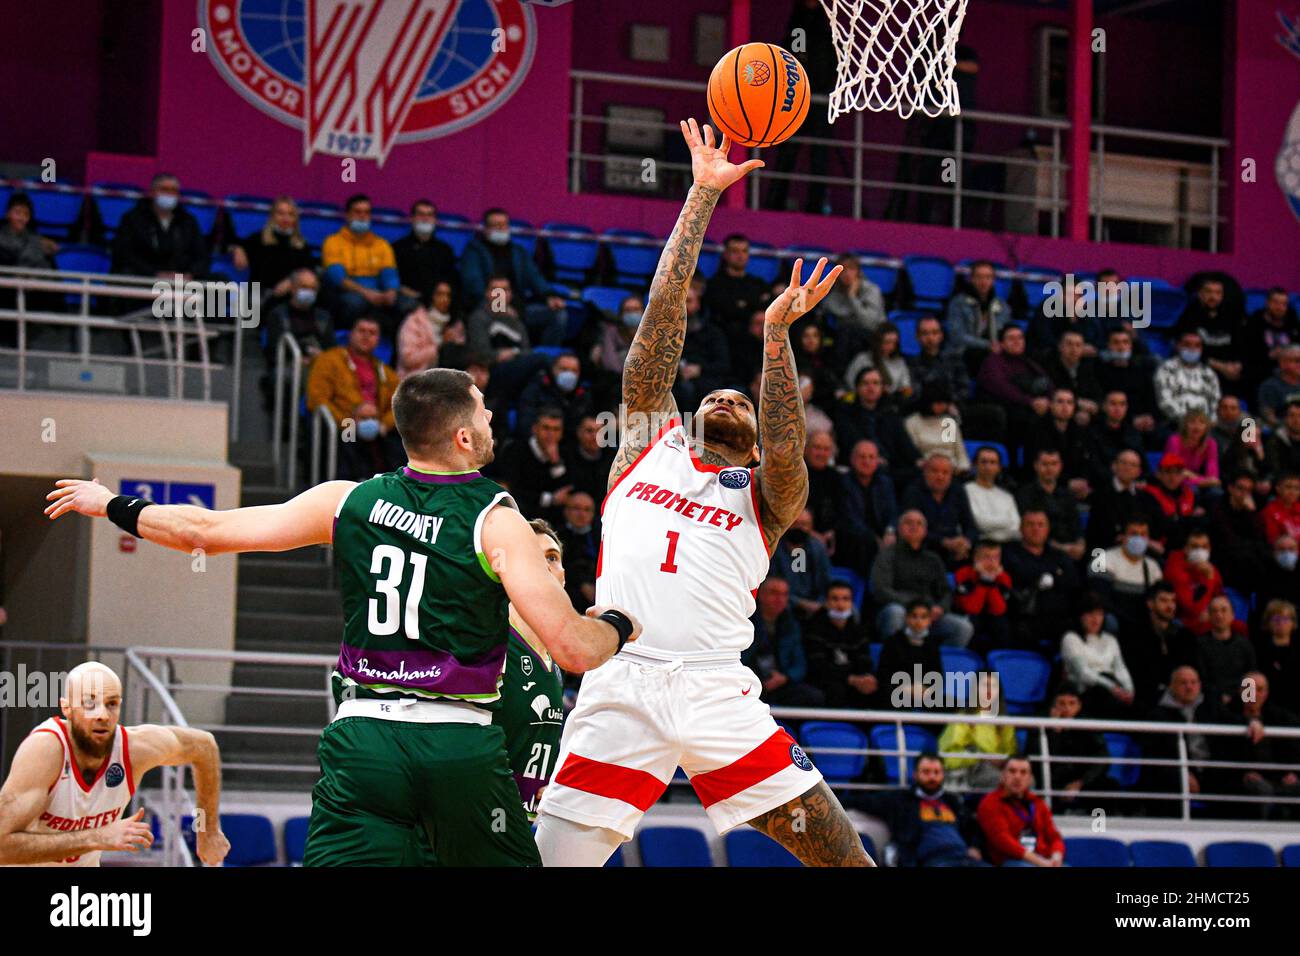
(429, 407)
(542, 526)
(354, 199)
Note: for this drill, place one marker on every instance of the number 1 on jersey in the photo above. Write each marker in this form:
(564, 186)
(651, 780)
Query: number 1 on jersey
(668, 564)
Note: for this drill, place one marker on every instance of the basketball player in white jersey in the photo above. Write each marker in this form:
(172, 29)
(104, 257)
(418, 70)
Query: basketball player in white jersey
(688, 531)
(73, 777)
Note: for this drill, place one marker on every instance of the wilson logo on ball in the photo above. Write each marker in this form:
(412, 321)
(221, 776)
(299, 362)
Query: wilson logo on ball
(791, 80)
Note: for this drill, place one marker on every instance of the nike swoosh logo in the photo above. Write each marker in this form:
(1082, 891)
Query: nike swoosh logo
(744, 692)
(530, 685)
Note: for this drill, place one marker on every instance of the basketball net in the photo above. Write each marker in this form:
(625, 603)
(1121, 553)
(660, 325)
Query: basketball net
(895, 55)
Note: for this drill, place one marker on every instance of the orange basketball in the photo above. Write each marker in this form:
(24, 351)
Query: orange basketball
(758, 95)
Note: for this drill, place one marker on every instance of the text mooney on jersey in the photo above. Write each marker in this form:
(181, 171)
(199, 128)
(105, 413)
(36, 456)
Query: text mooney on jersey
(420, 527)
(667, 498)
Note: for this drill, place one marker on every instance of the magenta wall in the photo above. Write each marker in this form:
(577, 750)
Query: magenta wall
(214, 140)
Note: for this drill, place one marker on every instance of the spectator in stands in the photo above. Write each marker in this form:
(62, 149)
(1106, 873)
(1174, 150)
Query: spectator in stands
(976, 316)
(1196, 581)
(1218, 323)
(1199, 452)
(733, 295)
(988, 745)
(836, 642)
(495, 329)
(1258, 711)
(882, 353)
(1282, 514)
(907, 571)
(994, 510)
(417, 343)
(747, 349)
(1108, 434)
(1270, 330)
(1059, 431)
(1069, 368)
(608, 354)
(1184, 381)
(1121, 370)
(589, 457)
(825, 487)
(492, 253)
(580, 536)
(935, 427)
(947, 512)
(1010, 378)
(424, 261)
(1241, 444)
(869, 509)
(1277, 651)
(1281, 577)
(1126, 571)
(1115, 502)
(927, 825)
(275, 253)
(1223, 653)
(1093, 662)
(983, 596)
(933, 363)
(872, 417)
(1282, 451)
(1063, 743)
(358, 390)
(813, 359)
(556, 387)
(777, 655)
(907, 652)
(855, 302)
(159, 237)
(302, 317)
(534, 470)
(1155, 643)
(361, 270)
(1182, 702)
(706, 357)
(1237, 535)
(1171, 502)
(1018, 827)
(20, 245)
(1078, 314)
(801, 561)
(1281, 387)
(1046, 493)
(817, 421)
(1044, 582)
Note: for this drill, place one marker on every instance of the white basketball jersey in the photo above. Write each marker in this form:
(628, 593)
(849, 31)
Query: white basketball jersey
(79, 804)
(682, 548)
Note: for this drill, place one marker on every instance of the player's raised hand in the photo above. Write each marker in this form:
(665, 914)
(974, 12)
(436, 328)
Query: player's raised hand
(89, 498)
(709, 163)
(801, 297)
(130, 833)
(212, 847)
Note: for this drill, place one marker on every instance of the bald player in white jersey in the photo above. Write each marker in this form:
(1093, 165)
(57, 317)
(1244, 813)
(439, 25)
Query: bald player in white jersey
(688, 531)
(74, 776)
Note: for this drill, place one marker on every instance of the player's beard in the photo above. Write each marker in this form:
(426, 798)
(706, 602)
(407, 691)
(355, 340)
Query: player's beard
(484, 447)
(88, 744)
(729, 432)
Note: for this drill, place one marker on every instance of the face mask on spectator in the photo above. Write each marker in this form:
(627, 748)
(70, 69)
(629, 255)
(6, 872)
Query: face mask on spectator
(368, 429)
(1135, 545)
(631, 319)
(1110, 356)
(841, 615)
(305, 297)
(359, 226)
(166, 202)
(1287, 560)
(1198, 555)
(567, 380)
(423, 229)
(283, 233)
(1190, 356)
(498, 237)
(916, 637)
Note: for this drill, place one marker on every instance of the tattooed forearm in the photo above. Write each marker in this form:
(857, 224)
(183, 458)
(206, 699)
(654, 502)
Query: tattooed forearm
(815, 828)
(656, 350)
(781, 430)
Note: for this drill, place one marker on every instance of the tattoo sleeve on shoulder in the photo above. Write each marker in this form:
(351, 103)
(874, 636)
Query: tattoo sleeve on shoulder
(815, 828)
(783, 476)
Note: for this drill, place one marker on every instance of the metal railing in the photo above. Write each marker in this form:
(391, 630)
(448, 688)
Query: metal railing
(287, 346)
(323, 421)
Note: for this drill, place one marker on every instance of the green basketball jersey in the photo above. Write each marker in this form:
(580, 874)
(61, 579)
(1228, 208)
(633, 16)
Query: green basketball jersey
(532, 715)
(424, 614)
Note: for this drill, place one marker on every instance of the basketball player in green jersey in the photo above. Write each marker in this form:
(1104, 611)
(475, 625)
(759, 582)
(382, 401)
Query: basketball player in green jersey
(428, 559)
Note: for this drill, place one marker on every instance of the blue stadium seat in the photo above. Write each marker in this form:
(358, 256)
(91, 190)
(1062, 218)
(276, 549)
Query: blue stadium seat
(1001, 281)
(245, 222)
(932, 280)
(708, 262)
(318, 221)
(869, 845)
(573, 257)
(1256, 299)
(1160, 346)
(875, 650)
(552, 352)
(884, 276)
(526, 239)
(295, 839)
(251, 836)
(974, 445)
(113, 208)
(1035, 289)
(454, 229)
(751, 848)
(1023, 677)
(633, 264)
(1166, 306)
(1240, 603)
(1155, 281)
(884, 737)
(224, 266)
(908, 344)
(959, 660)
(1153, 460)
(1239, 853)
(854, 580)
(205, 212)
(393, 229)
(56, 213)
(82, 259)
(607, 298)
(1156, 853)
(1096, 851)
(616, 858)
(673, 846)
(1123, 747)
(816, 734)
(1291, 855)
(762, 263)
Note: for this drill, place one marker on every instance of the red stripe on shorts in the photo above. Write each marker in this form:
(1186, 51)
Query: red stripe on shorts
(769, 757)
(636, 787)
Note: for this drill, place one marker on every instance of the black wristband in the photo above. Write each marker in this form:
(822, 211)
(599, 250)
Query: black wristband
(124, 511)
(620, 623)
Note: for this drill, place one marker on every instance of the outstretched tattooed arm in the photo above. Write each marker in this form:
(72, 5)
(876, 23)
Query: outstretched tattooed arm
(656, 350)
(783, 476)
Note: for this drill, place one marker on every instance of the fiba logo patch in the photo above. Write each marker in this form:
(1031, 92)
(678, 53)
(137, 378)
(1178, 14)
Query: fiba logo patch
(114, 775)
(734, 478)
(359, 77)
(757, 73)
(799, 758)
